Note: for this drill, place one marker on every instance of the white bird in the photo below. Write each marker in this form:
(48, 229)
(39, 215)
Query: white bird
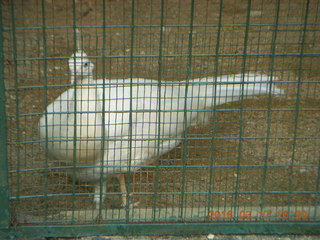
(81, 70)
(106, 127)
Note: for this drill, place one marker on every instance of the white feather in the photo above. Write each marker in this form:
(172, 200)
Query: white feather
(109, 125)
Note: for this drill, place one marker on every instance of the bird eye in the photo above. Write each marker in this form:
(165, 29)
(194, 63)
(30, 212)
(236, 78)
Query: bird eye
(86, 64)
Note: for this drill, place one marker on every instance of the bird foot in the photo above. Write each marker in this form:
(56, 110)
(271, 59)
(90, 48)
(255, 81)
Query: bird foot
(131, 205)
(124, 203)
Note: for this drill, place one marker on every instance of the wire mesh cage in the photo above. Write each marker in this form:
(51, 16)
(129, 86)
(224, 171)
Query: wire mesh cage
(203, 112)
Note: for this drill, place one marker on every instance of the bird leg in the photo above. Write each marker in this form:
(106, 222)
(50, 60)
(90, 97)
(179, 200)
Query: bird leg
(165, 147)
(100, 188)
(99, 196)
(123, 190)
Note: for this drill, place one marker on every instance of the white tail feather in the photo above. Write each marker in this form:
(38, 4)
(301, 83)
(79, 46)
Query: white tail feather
(223, 89)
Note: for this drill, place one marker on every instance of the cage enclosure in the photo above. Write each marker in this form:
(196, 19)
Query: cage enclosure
(159, 117)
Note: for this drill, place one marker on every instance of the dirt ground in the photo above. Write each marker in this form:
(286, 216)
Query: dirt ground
(229, 162)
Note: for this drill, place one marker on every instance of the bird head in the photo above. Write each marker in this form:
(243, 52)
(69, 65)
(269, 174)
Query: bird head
(81, 68)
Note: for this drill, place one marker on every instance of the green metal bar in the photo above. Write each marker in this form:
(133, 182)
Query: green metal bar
(74, 157)
(317, 195)
(45, 71)
(174, 193)
(218, 110)
(216, 67)
(103, 186)
(188, 76)
(16, 92)
(273, 50)
(181, 138)
(185, 55)
(177, 166)
(316, 202)
(157, 163)
(131, 107)
(297, 105)
(4, 185)
(163, 229)
(244, 63)
(167, 25)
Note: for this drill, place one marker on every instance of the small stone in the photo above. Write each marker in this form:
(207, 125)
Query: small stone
(210, 236)
(255, 13)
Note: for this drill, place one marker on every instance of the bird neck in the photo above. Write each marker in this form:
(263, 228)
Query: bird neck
(78, 80)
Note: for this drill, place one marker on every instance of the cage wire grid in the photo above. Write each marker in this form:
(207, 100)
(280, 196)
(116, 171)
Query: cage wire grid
(243, 165)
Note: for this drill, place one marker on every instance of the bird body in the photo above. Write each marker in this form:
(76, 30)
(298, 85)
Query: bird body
(106, 127)
(113, 122)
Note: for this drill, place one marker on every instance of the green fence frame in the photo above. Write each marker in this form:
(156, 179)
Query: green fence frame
(4, 186)
(161, 229)
(9, 230)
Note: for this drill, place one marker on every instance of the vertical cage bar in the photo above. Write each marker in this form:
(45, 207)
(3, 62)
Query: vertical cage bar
(297, 104)
(131, 106)
(103, 118)
(159, 113)
(185, 118)
(316, 202)
(216, 67)
(4, 186)
(45, 71)
(273, 51)
(17, 103)
(241, 100)
(74, 157)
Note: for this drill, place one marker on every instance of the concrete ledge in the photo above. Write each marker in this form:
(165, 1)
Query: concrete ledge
(147, 215)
